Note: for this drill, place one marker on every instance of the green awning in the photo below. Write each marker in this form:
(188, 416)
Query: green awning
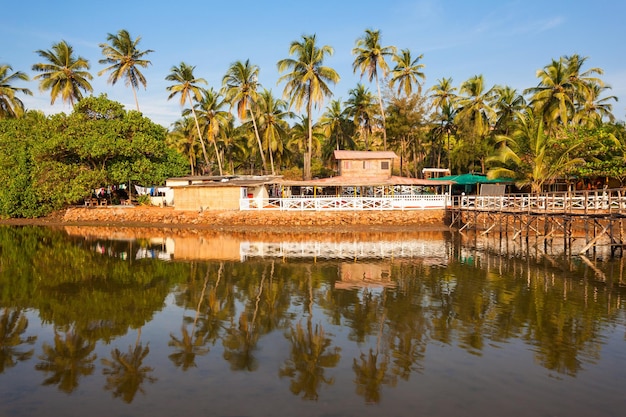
(472, 179)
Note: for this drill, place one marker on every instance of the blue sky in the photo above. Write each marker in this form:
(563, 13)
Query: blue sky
(505, 41)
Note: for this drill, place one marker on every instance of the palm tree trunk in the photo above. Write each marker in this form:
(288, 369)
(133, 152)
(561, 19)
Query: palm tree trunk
(217, 155)
(269, 151)
(195, 118)
(258, 139)
(135, 95)
(382, 113)
(307, 155)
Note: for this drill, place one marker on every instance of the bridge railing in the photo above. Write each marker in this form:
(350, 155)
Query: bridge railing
(346, 203)
(607, 200)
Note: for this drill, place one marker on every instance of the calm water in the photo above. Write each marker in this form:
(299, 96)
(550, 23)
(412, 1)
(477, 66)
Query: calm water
(139, 322)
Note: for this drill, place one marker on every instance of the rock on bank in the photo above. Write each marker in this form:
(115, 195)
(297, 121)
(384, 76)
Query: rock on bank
(169, 216)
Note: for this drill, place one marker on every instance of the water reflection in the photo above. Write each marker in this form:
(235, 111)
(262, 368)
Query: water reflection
(337, 319)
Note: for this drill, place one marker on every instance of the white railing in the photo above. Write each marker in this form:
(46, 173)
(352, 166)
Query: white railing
(345, 203)
(613, 200)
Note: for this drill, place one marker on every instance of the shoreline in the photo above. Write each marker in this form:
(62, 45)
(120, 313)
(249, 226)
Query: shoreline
(237, 221)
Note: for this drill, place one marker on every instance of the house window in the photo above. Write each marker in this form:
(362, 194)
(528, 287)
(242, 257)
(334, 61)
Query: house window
(384, 165)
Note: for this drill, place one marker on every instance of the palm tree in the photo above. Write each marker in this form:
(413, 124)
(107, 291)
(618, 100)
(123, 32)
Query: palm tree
(186, 85)
(240, 85)
(63, 73)
(360, 106)
(123, 58)
(370, 56)
(561, 86)
(337, 128)
(443, 93)
(307, 83)
(182, 138)
(530, 152)
(592, 109)
(446, 126)
(475, 115)
(406, 72)
(507, 103)
(10, 105)
(272, 123)
(213, 118)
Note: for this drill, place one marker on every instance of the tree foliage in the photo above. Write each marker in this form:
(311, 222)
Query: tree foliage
(50, 162)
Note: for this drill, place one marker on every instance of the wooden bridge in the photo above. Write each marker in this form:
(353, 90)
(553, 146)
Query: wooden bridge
(592, 217)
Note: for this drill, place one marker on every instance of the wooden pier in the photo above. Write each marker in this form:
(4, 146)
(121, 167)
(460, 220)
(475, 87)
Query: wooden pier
(582, 220)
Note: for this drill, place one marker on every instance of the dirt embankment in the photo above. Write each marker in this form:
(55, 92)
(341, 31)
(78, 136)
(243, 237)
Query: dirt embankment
(156, 216)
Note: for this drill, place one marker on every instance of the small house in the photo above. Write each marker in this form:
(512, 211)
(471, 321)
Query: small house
(365, 164)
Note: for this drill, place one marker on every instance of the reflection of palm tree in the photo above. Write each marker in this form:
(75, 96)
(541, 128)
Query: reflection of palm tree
(186, 347)
(308, 359)
(125, 372)
(67, 360)
(371, 375)
(12, 325)
(240, 342)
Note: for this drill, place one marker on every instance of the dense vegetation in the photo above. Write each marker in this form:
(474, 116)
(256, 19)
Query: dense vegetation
(562, 127)
(49, 162)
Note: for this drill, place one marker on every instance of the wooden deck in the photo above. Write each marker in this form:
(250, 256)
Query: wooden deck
(591, 217)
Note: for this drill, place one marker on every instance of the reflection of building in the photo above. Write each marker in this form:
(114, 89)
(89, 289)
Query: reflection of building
(433, 252)
(221, 248)
(364, 275)
(430, 247)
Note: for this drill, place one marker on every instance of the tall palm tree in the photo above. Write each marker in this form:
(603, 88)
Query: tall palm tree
(182, 138)
(10, 105)
(186, 85)
(407, 72)
(307, 82)
(212, 118)
(272, 124)
(507, 102)
(592, 109)
(360, 106)
(446, 126)
(240, 85)
(561, 86)
(370, 56)
(123, 58)
(63, 74)
(530, 152)
(475, 115)
(443, 93)
(337, 128)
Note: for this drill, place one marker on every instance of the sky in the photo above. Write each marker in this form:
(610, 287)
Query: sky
(505, 41)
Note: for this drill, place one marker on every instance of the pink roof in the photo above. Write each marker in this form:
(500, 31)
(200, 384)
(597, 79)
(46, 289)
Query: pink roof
(341, 181)
(360, 155)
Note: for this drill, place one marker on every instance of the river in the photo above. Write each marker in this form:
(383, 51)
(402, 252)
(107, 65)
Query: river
(155, 322)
